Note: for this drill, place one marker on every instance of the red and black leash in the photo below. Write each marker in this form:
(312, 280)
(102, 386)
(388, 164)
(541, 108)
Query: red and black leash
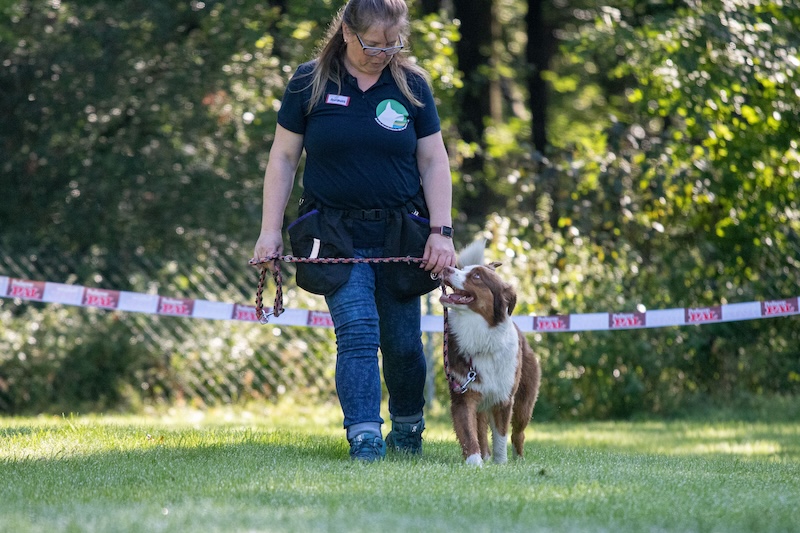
(278, 308)
(455, 386)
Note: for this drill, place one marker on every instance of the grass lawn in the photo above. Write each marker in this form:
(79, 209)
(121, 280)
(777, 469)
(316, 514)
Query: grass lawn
(287, 469)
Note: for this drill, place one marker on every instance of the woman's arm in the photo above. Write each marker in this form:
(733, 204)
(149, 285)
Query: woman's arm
(284, 157)
(437, 185)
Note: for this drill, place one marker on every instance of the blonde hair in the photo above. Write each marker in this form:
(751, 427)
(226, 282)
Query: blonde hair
(360, 16)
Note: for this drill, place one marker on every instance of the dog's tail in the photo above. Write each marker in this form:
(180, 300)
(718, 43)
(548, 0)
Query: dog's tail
(472, 254)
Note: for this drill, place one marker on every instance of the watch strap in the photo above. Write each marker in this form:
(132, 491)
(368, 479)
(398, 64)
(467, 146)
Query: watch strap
(447, 231)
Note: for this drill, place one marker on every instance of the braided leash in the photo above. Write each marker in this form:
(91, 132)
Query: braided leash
(278, 308)
(455, 386)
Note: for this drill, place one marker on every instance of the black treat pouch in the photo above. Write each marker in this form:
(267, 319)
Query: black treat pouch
(320, 233)
(407, 236)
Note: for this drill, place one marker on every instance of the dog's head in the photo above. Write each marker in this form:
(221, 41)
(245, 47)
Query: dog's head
(478, 288)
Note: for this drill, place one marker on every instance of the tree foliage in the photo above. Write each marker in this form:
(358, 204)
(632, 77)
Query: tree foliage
(669, 176)
(674, 183)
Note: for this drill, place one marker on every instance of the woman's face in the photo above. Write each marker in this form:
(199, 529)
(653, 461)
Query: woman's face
(379, 36)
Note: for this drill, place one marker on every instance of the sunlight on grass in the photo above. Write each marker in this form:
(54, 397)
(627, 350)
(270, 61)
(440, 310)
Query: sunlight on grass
(677, 438)
(286, 468)
(748, 448)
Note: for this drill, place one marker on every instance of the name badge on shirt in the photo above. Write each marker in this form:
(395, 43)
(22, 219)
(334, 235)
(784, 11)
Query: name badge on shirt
(337, 99)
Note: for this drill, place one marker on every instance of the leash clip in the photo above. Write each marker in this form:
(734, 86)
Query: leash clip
(471, 375)
(264, 318)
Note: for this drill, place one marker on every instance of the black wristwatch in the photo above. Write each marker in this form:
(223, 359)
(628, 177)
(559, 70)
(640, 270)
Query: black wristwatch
(447, 231)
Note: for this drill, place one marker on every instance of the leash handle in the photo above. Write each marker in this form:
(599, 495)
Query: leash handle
(277, 309)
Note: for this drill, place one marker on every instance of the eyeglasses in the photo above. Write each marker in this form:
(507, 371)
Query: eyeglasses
(376, 51)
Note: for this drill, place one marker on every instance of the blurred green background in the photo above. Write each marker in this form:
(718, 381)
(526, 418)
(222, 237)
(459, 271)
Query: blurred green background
(621, 155)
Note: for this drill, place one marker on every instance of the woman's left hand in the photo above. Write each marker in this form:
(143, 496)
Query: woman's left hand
(439, 253)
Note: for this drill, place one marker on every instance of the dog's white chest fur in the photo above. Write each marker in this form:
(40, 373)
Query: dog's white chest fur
(493, 352)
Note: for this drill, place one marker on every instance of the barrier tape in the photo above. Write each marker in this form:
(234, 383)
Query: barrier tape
(134, 302)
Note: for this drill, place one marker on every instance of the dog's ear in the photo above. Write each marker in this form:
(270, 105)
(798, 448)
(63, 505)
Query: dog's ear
(493, 265)
(505, 300)
(472, 254)
(511, 297)
(499, 307)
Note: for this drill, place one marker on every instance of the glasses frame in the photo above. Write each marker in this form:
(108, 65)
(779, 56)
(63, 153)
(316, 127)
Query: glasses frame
(374, 51)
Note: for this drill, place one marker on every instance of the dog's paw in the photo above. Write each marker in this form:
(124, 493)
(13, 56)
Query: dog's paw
(474, 460)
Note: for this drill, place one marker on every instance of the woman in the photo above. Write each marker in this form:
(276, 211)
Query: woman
(375, 165)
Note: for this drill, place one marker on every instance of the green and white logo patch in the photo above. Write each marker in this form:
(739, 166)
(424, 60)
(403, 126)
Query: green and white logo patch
(392, 115)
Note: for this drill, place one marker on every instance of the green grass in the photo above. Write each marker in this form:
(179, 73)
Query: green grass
(286, 469)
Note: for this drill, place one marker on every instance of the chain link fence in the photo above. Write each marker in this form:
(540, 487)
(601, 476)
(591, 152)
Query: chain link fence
(55, 357)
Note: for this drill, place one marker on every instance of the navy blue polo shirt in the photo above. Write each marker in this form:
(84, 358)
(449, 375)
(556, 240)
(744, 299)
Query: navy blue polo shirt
(361, 146)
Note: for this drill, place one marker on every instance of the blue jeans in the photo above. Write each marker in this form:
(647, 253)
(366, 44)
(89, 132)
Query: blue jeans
(366, 317)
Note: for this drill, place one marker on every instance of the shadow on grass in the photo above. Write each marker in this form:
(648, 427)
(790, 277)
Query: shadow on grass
(620, 476)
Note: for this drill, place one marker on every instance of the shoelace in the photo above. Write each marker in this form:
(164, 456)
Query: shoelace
(407, 441)
(366, 446)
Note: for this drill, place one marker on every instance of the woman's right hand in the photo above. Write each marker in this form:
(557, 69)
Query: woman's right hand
(269, 244)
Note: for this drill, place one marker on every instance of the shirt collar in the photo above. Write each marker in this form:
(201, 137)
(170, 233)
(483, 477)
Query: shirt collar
(385, 77)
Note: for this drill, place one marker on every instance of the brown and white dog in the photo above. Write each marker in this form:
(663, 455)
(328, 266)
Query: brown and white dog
(494, 375)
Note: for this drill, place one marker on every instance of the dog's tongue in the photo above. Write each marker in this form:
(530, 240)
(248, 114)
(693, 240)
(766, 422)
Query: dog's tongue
(455, 299)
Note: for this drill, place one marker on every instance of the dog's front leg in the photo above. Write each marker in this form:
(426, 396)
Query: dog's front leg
(464, 410)
(483, 431)
(500, 420)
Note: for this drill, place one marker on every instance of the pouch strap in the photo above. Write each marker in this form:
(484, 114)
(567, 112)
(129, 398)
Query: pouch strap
(367, 214)
(372, 214)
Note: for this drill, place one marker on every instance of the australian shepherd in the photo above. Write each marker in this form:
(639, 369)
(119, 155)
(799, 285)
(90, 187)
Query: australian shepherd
(494, 375)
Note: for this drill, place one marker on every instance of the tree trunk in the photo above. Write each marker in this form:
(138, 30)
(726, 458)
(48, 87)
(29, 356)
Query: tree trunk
(474, 100)
(538, 52)
(474, 51)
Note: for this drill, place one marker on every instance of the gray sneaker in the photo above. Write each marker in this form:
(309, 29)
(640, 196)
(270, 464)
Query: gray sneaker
(367, 447)
(406, 437)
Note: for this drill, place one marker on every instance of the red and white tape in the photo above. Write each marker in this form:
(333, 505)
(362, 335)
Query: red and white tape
(76, 295)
